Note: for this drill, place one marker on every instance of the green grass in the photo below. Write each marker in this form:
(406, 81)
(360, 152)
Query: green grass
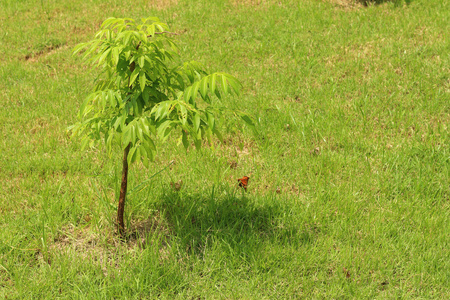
(353, 110)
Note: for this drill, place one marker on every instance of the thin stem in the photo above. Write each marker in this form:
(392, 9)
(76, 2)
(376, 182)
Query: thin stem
(123, 192)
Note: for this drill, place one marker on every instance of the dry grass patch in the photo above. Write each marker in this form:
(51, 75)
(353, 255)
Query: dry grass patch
(46, 51)
(85, 240)
(162, 4)
(257, 4)
(347, 4)
(104, 247)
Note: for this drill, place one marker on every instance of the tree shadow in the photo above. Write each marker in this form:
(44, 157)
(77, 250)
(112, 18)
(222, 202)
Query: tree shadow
(234, 221)
(376, 2)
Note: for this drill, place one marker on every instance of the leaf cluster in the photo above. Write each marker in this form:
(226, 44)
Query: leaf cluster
(144, 92)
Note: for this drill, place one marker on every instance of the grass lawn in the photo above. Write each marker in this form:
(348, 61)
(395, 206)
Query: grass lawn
(349, 168)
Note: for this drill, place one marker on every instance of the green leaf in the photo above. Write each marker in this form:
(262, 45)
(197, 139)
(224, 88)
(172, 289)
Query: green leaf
(151, 155)
(146, 95)
(164, 129)
(112, 98)
(133, 76)
(100, 60)
(218, 134)
(211, 120)
(118, 98)
(126, 137)
(149, 144)
(85, 103)
(204, 87)
(137, 154)
(117, 122)
(127, 36)
(217, 93)
(235, 84)
(141, 61)
(187, 94)
(196, 122)
(225, 87)
(161, 26)
(183, 114)
(198, 144)
(108, 22)
(91, 47)
(102, 99)
(151, 126)
(180, 80)
(194, 91)
(78, 48)
(208, 132)
(122, 65)
(100, 34)
(115, 56)
(139, 131)
(142, 80)
(109, 142)
(161, 110)
(131, 155)
(143, 37)
(144, 127)
(133, 134)
(184, 139)
(212, 84)
(144, 157)
(151, 30)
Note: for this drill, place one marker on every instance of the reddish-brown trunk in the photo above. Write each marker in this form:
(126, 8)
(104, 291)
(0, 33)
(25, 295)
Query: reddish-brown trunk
(123, 192)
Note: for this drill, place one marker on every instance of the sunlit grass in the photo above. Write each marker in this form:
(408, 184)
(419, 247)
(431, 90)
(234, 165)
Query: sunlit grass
(353, 111)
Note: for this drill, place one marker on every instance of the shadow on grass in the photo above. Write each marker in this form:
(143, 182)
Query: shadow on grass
(234, 222)
(396, 2)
